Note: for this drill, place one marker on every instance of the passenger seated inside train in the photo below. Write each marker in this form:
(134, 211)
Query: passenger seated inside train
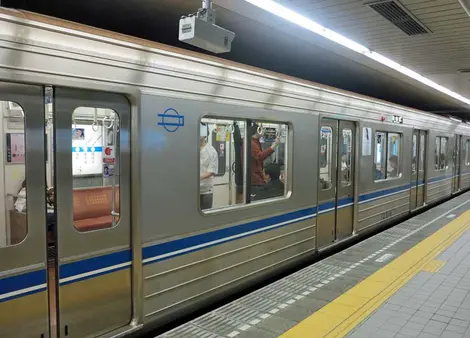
(393, 161)
(378, 173)
(442, 161)
(20, 206)
(273, 187)
(209, 165)
(345, 168)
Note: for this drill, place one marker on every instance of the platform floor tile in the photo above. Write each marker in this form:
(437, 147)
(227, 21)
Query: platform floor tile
(434, 302)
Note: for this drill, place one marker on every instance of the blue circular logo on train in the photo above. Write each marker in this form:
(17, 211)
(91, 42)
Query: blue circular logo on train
(171, 120)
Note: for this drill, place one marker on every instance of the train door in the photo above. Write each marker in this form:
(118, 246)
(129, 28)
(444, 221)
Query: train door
(418, 169)
(92, 188)
(23, 263)
(456, 168)
(336, 181)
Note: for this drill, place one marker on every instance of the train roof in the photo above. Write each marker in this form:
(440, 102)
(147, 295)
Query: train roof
(203, 57)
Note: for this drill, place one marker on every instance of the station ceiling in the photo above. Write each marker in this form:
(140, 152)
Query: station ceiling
(435, 42)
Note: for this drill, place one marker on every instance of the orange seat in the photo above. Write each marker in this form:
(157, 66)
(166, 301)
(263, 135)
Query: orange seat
(92, 208)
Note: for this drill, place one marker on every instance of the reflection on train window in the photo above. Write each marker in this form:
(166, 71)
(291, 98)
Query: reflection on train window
(387, 155)
(346, 157)
(95, 167)
(415, 152)
(220, 166)
(268, 163)
(422, 151)
(326, 144)
(440, 153)
(222, 173)
(14, 228)
(467, 152)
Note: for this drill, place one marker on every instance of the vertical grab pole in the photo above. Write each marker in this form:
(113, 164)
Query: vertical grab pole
(230, 190)
(207, 4)
(113, 187)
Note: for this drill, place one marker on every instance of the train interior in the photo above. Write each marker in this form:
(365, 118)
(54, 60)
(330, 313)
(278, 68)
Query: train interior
(94, 132)
(226, 137)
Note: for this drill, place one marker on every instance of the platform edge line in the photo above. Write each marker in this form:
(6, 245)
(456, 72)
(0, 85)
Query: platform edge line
(436, 242)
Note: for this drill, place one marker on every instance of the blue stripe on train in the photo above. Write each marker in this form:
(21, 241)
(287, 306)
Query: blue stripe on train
(381, 193)
(24, 282)
(94, 264)
(218, 236)
(440, 178)
(180, 246)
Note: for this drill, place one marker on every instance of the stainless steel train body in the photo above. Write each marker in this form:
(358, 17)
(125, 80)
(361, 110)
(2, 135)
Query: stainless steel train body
(165, 257)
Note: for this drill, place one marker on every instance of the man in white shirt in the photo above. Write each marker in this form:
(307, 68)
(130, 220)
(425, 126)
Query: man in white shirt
(209, 166)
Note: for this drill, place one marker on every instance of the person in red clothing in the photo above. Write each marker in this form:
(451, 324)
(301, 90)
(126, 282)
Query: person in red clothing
(258, 155)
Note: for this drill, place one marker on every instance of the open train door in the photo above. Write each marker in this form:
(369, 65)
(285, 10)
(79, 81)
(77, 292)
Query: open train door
(92, 185)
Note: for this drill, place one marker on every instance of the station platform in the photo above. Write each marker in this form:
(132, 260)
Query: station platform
(412, 280)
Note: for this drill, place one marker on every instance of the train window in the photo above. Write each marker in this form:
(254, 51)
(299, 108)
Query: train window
(467, 152)
(95, 168)
(441, 153)
(393, 165)
(267, 167)
(387, 155)
(14, 228)
(415, 152)
(346, 157)
(380, 155)
(422, 151)
(326, 164)
(220, 166)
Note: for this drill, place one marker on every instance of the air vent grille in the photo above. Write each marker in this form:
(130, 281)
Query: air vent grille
(397, 14)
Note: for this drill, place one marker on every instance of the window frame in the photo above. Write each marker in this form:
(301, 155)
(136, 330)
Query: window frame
(247, 202)
(116, 146)
(328, 150)
(467, 153)
(399, 166)
(414, 152)
(350, 154)
(441, 138)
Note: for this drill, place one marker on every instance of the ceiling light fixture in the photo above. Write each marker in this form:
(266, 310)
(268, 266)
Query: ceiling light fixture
(455, 119)
(283, 12)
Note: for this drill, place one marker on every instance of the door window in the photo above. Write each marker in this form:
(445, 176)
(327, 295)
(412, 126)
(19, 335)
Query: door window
(422, 151)
(95, 168)
(415, 153)
(346, 157)
(326, 149)
(467, 152)
(14, 228)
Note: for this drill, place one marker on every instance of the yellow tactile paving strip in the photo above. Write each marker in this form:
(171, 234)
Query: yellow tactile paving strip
(343, 314)
(433, 266)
